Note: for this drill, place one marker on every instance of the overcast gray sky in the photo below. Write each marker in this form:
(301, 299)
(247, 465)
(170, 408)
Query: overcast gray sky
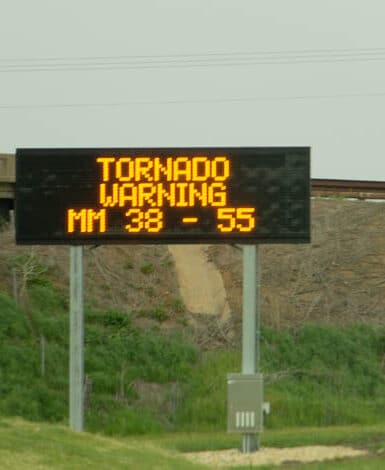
(121, 73)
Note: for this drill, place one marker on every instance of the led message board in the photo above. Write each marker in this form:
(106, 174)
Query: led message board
(163, 195)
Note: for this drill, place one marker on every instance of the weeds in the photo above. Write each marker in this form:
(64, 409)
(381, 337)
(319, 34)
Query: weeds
(178, 305)
(112, 344)
(157, 314)
(147, 268)
(315, 376)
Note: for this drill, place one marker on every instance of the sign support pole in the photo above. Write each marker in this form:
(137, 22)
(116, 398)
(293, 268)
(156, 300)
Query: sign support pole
(250, 326)
(76, 410)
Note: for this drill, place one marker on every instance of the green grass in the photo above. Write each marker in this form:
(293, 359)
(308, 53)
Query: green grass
(370, 437)
(367, 463)
(314, 376)
(117, 354)
(27, 446)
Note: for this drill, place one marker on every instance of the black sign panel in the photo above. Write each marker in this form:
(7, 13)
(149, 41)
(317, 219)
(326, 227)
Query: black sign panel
(163, 195)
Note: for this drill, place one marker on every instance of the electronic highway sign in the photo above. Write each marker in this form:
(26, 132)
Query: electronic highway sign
(163, 195)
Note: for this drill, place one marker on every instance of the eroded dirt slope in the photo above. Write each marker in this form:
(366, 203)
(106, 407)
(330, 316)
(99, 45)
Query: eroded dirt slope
(338, 278)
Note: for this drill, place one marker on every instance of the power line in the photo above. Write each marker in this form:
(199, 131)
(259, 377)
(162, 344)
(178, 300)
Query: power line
(196, 101)
(217, 59)
(209, 54)
(123, 66)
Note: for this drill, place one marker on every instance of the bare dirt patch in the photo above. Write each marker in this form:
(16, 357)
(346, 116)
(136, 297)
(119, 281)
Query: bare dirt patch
(337, 279)
(200, 281)
(273, 456)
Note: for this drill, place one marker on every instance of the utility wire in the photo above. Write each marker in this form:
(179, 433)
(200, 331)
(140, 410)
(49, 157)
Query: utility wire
(124, 66)
(209, 54)
(195, 101)
(218, 59)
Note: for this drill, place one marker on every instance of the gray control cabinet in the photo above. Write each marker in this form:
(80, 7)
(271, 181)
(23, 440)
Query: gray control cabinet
(245, 403)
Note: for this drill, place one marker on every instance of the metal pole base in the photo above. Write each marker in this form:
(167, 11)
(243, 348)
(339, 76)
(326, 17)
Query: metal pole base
(250, 443)
(250, 333)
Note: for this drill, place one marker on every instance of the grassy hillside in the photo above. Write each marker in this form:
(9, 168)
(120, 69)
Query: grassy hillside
(119, 357)
(26, 446)
(151, 366)
(145, 380)
(318, 375)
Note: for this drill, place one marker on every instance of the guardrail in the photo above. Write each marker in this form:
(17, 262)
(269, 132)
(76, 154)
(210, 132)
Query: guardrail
(7, 175)
(348, 189)
(319, 187)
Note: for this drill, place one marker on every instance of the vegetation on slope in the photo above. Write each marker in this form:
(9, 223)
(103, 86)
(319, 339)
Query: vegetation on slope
(27, 446)
(316, 375)
(118, 356)
(144, 380)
